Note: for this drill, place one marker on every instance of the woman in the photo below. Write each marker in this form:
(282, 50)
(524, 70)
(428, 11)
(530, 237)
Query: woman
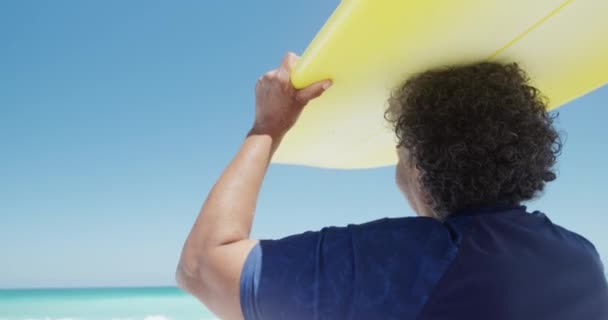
(474, 143)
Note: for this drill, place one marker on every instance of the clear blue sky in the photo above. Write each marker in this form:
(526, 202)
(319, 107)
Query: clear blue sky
(116, 118)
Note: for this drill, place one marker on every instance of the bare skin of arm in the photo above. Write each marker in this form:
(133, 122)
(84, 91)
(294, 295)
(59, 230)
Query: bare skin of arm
(218, 243)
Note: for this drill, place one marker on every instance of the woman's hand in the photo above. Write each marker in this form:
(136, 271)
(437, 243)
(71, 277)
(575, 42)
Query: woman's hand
(278, 103)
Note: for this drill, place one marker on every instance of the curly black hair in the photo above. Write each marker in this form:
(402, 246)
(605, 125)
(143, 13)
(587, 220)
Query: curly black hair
(479, 134)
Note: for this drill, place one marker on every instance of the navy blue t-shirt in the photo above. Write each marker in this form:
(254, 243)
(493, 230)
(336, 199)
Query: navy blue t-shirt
(489, 263)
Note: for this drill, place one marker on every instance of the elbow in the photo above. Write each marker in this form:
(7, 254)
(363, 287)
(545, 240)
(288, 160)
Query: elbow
(188, 275)
(181, 278)
(193, 278)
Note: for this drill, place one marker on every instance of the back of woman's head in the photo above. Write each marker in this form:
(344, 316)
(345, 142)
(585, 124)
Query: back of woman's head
(479, 135)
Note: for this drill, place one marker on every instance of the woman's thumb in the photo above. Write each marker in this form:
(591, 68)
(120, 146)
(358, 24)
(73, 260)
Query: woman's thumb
(313, 91)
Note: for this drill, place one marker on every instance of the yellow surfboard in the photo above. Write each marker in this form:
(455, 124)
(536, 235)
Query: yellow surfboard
(367, 47)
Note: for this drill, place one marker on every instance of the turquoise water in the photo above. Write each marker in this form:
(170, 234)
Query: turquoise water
(101, 304)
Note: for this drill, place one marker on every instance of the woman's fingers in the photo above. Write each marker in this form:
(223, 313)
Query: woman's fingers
(313, 91)
(289, 61)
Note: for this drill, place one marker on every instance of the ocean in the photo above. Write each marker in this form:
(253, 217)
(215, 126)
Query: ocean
(166, 303)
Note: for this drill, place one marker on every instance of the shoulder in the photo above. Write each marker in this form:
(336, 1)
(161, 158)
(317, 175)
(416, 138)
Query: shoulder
(564, 240)
(397, 223)
(570, 235)
(334, 246)
(409, 227)
(350, 265)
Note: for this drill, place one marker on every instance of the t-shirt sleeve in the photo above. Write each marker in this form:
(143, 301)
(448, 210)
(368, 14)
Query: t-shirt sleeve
(295, 277)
